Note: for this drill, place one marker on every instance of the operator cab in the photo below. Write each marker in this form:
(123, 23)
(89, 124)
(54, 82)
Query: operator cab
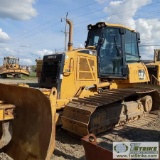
(116, 46)
(10, 60)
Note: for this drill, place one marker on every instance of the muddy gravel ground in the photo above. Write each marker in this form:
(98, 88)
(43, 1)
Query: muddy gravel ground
(69, 147)
(4, 156)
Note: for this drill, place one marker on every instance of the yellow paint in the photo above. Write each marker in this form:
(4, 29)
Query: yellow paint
(72, 81)
(134, 75)
(80, 76)
(1, 115)
(75, 85)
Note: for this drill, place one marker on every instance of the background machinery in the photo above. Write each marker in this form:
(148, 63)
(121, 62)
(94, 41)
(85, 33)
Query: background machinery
(11, 67)
(99, 87)
(38, 68)
(154, 68)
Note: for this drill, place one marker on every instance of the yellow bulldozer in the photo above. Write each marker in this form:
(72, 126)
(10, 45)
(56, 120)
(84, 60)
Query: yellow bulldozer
(11, 67)
(90, 90)
(102, 85)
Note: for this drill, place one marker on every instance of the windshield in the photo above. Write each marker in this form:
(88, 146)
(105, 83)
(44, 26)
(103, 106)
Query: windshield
(131, 47)
(110, 54)
(113, 49)
(12, 61)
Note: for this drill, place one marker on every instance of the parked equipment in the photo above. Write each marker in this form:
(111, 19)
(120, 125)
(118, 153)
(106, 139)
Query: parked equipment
(154, 68)
(38, 68)
(11, 67)
(99, 87)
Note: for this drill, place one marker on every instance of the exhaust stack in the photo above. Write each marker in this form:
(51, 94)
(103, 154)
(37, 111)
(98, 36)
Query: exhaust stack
(70, 43)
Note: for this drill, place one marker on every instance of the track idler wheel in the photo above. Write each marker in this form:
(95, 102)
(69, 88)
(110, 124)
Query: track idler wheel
(147, 103)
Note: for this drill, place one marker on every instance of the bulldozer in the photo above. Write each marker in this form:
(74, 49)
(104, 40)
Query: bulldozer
(102, 85)
(86, 90)
(11, 67)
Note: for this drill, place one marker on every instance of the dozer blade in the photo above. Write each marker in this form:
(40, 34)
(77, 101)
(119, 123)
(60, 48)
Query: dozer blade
(33, 128)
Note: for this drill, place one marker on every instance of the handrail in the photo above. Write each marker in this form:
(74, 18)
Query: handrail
(155, 80)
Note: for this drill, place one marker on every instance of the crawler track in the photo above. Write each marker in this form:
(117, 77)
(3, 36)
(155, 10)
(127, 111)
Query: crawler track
(104, 111)
(121, 133)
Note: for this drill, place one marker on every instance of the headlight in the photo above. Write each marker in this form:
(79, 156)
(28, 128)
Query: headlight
(141, 74)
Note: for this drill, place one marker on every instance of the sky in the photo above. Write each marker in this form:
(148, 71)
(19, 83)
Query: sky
(30, 29)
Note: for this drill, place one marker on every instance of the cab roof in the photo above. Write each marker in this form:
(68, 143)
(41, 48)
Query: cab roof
(10, 57)
(111, 25)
